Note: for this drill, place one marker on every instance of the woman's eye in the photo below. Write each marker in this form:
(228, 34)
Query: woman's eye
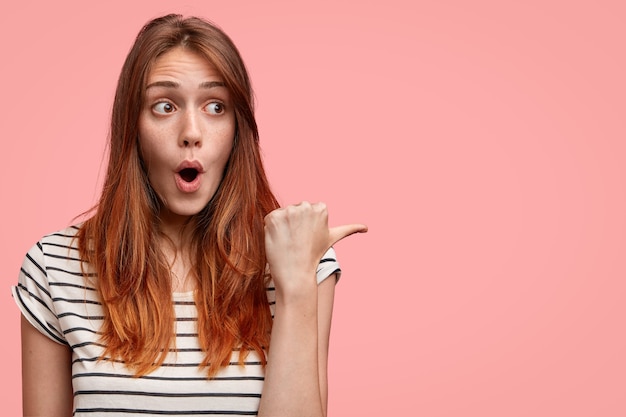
(215, 108)
(163, 108)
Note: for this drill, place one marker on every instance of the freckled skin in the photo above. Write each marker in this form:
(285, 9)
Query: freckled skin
(187, 116)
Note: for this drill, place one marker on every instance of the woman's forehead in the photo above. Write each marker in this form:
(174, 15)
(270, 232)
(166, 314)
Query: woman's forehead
(182, 62)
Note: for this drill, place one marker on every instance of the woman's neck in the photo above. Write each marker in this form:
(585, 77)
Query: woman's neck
(175, 228)
(175, 244)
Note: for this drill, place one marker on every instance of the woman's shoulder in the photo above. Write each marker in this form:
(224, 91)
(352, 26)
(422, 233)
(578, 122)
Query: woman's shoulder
(69, 232)
(50, 281)
(66, 237)
(56, 245)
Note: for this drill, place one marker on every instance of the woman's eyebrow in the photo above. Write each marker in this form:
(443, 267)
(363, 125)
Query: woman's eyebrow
(168, 84)
(212, 84)
(173, 84)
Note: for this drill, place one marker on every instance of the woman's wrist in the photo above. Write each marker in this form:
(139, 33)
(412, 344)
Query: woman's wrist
(297, 288)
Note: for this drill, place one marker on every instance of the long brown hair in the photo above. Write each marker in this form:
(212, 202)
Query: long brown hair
(120, 240)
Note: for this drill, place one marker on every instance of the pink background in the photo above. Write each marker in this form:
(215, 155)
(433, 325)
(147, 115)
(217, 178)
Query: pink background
(483, 142)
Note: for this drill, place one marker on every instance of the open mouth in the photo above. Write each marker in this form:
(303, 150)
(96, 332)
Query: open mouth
(188, 174)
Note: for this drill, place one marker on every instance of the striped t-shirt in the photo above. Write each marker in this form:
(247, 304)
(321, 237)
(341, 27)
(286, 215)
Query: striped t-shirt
(54, 296)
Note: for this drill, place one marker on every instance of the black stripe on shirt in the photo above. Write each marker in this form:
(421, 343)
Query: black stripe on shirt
(168, 378)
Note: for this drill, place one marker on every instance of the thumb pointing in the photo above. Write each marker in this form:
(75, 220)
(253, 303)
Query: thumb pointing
(335, 234)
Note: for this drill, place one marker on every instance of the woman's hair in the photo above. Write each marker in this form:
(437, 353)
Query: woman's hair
(120, 241)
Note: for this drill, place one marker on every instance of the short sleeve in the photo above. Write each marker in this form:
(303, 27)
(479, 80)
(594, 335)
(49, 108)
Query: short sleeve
(328, 265)
(32, 295)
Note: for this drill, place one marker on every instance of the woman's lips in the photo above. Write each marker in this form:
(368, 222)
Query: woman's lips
(188, 176)
(187, 186)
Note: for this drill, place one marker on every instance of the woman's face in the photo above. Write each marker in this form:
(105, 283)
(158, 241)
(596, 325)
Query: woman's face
(186, 132)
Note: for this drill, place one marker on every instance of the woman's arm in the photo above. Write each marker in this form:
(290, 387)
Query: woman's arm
(46, 375)
(294, 366)
(296, 237)
(292, 378)
(325, 301)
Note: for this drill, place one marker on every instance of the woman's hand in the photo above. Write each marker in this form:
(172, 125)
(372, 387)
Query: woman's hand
(296, 238)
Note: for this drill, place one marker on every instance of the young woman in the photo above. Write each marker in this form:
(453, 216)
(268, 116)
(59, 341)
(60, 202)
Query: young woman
(188, 291)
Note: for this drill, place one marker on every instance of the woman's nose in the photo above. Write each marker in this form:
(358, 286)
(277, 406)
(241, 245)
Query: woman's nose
(191, 134)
